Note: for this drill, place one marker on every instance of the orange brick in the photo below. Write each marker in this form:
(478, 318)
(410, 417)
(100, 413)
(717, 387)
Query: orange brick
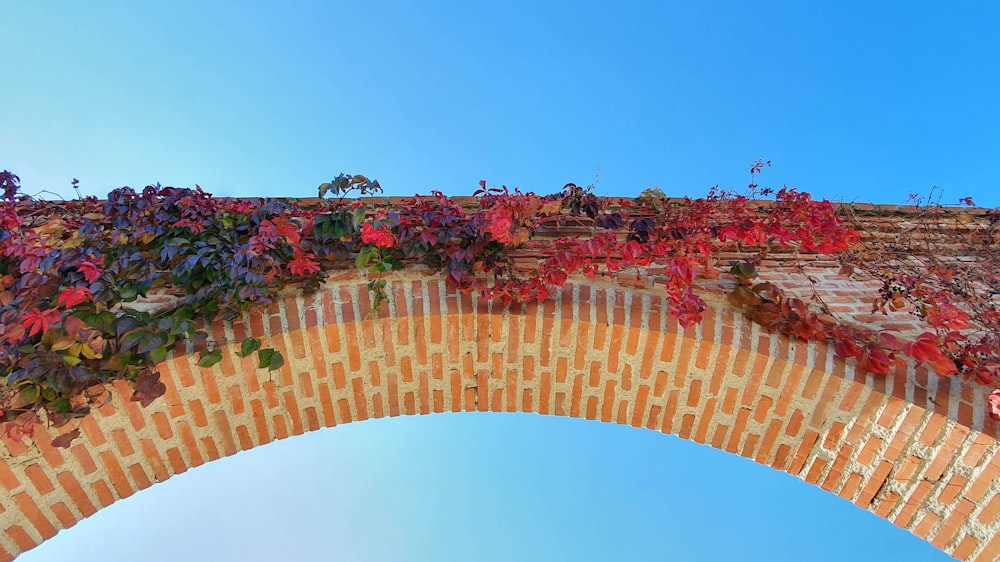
(868, 452)
(890, 412)
(705, 421)
(104, 495)
(992, 549)
(965, 548)
(977, 449)
(21, 538)
(951, 489)
(851, 486)
(76, 493)
(162, 425)
(989, 513)
(64, 515)
(945, 454)
(117, 475)
(211, 451)
(886, 504)
(7, 478)
(139, 476)
(32, 512)
(122, 442)
(913, 501)
(874, 484)
(38, 479)
(953, 522)
(927, 524)
(906, 468)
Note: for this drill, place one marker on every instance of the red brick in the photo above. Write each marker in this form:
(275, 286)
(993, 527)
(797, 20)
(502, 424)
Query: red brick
(39, 479)
(117, 474)
(21, 538)
(989, 513)
(874, 484)
(965, 548)
(34, 514)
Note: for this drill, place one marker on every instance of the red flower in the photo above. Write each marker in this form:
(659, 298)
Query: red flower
(380, 237)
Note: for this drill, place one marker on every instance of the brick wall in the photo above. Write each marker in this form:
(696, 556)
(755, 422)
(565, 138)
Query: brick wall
(912, 447)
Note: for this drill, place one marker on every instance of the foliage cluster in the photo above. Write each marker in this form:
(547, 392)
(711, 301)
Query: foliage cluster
(69, 272)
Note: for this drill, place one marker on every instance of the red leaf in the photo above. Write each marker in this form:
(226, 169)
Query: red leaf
(17, 432)
(742, 296)
(72, 296)
(66, 439)
(889, 341)
(876, 361)
(89, 270)
(148, 387)
(948, 316)
(303, 264)
(927, 349)
(73, 325)
(380, 237)
(36, 321)
(846, 347)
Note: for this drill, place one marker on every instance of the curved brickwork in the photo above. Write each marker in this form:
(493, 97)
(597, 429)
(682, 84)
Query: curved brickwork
(596, 351)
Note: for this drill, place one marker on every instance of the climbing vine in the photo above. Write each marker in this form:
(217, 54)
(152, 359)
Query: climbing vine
(72, 273)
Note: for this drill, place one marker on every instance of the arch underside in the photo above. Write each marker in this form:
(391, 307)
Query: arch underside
(596, 351)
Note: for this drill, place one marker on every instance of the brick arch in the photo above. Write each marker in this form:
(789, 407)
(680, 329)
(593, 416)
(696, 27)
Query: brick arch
(596, 351)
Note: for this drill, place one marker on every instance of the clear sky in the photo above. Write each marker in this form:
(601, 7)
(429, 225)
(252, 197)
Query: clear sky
(865, 101)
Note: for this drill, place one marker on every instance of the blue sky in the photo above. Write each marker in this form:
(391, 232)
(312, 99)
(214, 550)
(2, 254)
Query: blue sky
(850, 100)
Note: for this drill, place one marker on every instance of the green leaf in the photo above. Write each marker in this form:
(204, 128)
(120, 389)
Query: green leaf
(71, 360)
(104, 321)
(359, 217)
(62, 405)
(248, 346)
(364, 258)
(322, 227)
(29, 393)
(209, 358)
(129, 293)
(158, 354)
(270, 358)
(48, 394)
(339, 228)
